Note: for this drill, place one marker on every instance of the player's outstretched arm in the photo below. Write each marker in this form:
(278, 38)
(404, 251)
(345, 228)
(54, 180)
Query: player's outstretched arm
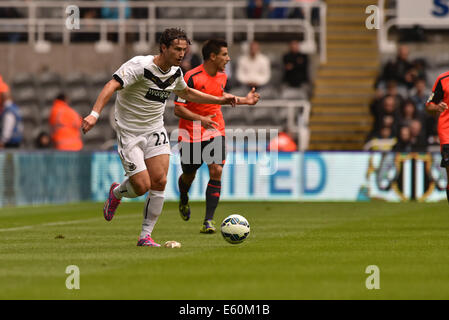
(197, 96)
(206, 121)
(102, 100)
(251, 98)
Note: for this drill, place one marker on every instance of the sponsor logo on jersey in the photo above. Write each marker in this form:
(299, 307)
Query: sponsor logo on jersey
(157, 95)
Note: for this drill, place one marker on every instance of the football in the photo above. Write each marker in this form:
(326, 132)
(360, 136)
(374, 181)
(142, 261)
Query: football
(235, 229)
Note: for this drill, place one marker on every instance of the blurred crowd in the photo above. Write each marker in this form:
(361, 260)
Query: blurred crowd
(64, 125)
(401, 122)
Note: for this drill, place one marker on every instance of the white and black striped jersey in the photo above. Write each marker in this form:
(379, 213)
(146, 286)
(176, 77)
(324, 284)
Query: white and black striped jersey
(140, 105)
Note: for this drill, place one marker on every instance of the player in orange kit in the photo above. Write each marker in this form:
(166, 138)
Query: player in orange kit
(438, 104)
(199, 142)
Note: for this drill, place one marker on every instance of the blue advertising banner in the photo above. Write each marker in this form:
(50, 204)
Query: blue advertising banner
(310, 176)
(29, 178)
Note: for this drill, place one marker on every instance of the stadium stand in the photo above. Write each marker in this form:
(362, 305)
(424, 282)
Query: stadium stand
(90, 68)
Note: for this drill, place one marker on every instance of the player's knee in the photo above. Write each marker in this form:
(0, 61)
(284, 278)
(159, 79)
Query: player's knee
(142, 188)
(158, 183)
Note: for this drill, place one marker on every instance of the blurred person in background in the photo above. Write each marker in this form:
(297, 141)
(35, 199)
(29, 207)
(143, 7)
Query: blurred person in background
(258, 9)
(404, 143)
(391, 91)
(386, 116)
(398, 70)
(408, 112)
(43, 141)
(419, 94)
(283, 142)
(11, 126)
(65, 125)
(253, 68)
(296, 66)
(192, 59)
(384, 140)
(417, 136)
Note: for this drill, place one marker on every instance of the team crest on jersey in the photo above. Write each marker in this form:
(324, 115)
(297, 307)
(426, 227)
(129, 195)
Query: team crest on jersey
(130, 166)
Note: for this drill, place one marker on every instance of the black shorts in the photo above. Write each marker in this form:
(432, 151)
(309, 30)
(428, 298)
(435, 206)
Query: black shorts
(194, 154)
(444, 156)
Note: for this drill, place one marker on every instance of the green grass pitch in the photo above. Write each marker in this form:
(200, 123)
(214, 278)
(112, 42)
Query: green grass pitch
(294, 251)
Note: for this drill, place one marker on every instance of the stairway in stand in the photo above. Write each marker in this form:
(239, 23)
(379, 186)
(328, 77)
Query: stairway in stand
(344, 86)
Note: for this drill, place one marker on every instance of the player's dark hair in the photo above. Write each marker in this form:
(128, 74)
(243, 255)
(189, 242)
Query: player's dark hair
(61, 96)
(213, 46)
(172, 34)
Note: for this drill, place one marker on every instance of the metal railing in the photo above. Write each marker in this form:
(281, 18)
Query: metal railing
(37, 25)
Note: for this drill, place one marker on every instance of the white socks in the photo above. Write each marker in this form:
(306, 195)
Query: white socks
(152, 211)
(125, 189)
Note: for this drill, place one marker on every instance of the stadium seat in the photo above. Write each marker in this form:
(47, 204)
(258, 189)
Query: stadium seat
(279, 116)
(241, 91)
(24, 94)
(262, 116)
(294, 93)
(23, 79)
(83, 108)
(268, 92)
(45, 114)
(74, 79)
(49, 93)
(30, 113)
(99, 79)
(48, 79)
(170, 13)
(216, 13)
(78, 95)
(237, 116)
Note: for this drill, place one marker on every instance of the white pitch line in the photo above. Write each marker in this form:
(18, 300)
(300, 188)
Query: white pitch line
(61, 223)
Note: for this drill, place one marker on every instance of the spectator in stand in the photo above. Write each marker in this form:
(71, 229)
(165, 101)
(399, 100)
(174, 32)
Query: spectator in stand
(253, 68)
(385, 116)
(404, 144)
(11, 125)
(43, 141)
(391, 91)
(110, 12)
(279, 12)
(420, 66)
(417, 136)
(399, 70)
(419, 94)
(296, 66)
(258, 9)
(65, 124)
(191, 59)
(408, 113)
(384, 140)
